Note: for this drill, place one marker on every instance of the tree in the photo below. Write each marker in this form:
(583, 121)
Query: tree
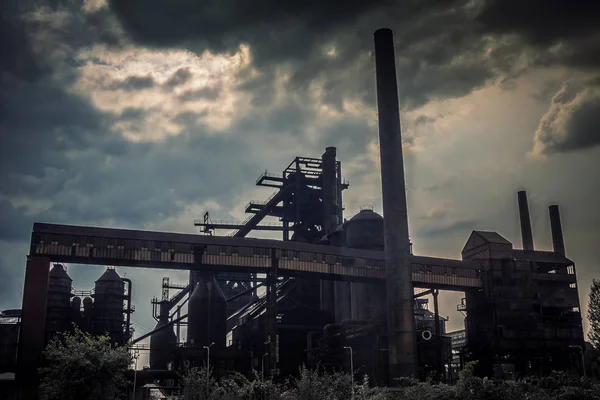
(79, 366)
(594, 314)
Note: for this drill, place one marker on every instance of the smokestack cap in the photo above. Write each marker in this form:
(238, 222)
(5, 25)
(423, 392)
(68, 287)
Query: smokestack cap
(383, 31)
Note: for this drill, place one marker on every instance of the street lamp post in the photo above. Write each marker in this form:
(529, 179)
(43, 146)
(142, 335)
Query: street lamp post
(208, 361)
(574, 346)
(136, 355)
(262, 368)
(351, 369)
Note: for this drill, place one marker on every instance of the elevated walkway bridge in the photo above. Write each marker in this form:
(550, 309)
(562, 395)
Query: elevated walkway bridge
(146, 249)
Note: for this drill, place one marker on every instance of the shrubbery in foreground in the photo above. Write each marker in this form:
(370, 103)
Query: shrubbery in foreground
(317, 385)
(79, 366)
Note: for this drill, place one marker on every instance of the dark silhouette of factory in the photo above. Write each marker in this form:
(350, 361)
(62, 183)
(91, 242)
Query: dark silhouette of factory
(329, 290)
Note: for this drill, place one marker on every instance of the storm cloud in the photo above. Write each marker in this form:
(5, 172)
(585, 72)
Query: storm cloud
(572, 121)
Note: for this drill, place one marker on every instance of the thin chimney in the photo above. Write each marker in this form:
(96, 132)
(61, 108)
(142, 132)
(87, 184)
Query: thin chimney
(557, 235)
(526, 233)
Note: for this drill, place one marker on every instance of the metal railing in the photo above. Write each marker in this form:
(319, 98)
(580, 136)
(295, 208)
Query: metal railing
(267, 174)
(263, 202)
(83, 292)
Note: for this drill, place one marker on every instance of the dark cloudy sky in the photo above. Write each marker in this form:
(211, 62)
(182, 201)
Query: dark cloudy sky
(146, 113)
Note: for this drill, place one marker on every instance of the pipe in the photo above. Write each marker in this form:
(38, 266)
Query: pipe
(329, 190)
(245, 292)
(178, 327)
(558, 242)
(327, 330)
(526, 233)
(128, 281)
(178, 307)
(438, 334)
(399, 287)
(160, 328)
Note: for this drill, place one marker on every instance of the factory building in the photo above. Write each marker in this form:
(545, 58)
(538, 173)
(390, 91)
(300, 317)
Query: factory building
(529, 315)
(335, 292)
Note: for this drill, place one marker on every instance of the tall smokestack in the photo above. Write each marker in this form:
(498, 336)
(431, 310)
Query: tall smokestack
(526, 233)
(557, 235)
(399, 288)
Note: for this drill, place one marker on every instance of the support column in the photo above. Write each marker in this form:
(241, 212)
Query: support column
(272, 311)
(33, 320)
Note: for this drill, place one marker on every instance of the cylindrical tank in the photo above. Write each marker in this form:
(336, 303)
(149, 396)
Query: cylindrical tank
(162, 343)
(365, 231)
(88, 314)
(207, 314)
(58, 303)
(109, 295)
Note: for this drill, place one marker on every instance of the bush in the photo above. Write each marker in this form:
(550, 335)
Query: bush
(316, 384)
(196, 384)
(80, 366)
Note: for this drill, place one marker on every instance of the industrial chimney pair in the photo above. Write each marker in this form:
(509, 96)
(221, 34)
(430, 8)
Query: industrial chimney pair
(555, 226)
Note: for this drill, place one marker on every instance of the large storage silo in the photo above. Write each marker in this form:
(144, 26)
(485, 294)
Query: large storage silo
(365, 231)
(58, 303)
(207, 313)
(162, 343)
(109, 295)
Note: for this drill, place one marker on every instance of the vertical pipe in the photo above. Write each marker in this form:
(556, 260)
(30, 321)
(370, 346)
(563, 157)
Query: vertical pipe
(272, 309)
(340, 206)
(330, 190)
(526, 233)
(297, 197)
(399, 288)
(557, 235)
(329, 196)
(178, 326)
(438, 333)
